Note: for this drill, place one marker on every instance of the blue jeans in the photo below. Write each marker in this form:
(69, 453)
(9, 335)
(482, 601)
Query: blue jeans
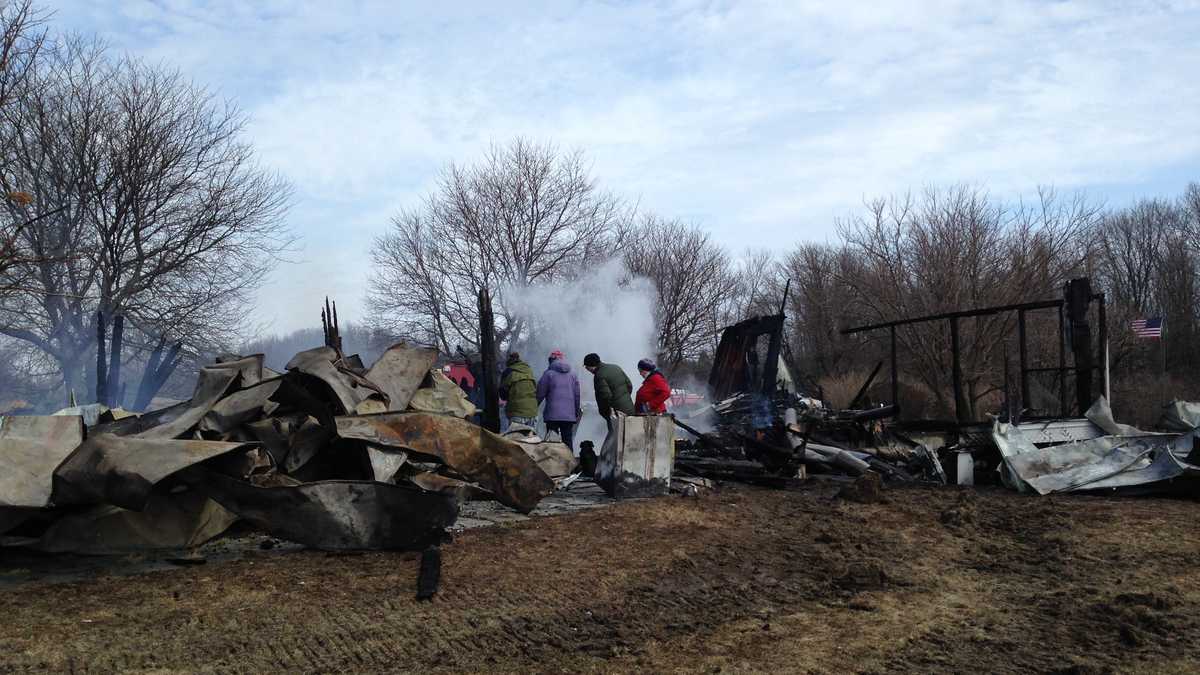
(527, 421)
(566, 430)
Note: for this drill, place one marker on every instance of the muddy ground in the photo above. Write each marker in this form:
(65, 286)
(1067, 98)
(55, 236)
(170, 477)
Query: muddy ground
(932, 580)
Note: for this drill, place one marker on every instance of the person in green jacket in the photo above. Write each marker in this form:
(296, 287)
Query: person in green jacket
(613, 388)
(519, 390)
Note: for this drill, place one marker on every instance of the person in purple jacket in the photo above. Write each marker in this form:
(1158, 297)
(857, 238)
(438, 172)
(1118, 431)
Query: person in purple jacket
(559, 389)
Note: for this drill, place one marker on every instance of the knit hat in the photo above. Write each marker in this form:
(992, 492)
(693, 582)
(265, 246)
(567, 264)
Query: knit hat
(556, 355)
(513, 357)
(591, 360)
(647, 364)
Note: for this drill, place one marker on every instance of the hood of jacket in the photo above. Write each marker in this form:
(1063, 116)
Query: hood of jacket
(560, 366)
(522, 368)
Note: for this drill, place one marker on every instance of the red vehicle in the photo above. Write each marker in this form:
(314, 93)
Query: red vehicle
(682, 398)
(458, 372)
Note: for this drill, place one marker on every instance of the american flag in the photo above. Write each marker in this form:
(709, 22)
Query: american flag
(1148, 328)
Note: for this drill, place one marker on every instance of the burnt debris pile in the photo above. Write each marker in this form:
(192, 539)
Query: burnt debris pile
(761, 430)
(330, 453)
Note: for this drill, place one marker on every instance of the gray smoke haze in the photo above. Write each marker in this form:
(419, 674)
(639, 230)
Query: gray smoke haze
(603, 311)
(594, 313)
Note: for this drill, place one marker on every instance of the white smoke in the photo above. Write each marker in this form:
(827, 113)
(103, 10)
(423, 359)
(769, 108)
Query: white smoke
(602, 311)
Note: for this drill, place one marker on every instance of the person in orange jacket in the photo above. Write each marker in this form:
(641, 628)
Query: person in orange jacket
(653, 394)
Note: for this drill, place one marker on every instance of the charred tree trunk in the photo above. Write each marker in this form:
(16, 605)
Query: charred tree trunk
(158, 370)
(101, 364)
(115, 385)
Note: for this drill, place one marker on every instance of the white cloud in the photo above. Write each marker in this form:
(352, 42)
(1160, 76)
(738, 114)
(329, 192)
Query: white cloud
(762, 121)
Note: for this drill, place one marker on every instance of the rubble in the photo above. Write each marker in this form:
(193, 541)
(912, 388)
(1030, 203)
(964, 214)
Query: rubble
(1123, 459)
(328, 454)
(764, 432)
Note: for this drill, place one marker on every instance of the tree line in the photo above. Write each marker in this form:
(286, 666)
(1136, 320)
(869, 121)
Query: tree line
(529, 213)
(136, 224)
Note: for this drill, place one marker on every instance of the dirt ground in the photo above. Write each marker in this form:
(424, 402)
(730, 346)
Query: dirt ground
(929, 580)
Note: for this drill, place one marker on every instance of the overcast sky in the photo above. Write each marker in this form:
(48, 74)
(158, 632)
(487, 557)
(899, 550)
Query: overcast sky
(759, 121)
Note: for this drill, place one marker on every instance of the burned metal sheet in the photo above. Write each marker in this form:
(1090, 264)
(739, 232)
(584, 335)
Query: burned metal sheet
(180, 520)
(240, 407)
(461, 490)
(250, 368)
(442, 397)
(11, 517)
(738, 365)
(1101, 415)
(386, 462)
(349, 388)
(400, 371)
(1044, 432)
(555, 459)
(122, 470)
(1181, 416)
(211, 385)
(338, 515)
(31, 448)
(1109, 462)
(498, 464)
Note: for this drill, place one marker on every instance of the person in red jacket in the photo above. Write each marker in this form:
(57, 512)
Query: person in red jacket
(653, 394)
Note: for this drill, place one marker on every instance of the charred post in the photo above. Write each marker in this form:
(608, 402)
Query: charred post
(1078, 298)
(487, 365)
(961, 410)
(1062, 362)
(1023, 345)
(895, 382)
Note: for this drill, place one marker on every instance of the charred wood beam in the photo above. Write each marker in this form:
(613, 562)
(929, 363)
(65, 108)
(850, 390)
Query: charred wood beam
(1062, 362)
(962, 411)
(429, 575)
(1078, 296)
(1023, 342)
(704, 439)
(865, 385)
(985, 311)
(895, 375)
(487, 357)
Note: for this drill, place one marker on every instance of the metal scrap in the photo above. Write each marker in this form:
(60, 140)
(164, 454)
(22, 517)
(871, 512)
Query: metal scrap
(1124, 459)
(339, 514)
(291, 453)
(496, 463)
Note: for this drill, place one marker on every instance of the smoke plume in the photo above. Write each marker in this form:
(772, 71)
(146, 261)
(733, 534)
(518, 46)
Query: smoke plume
(602, 311)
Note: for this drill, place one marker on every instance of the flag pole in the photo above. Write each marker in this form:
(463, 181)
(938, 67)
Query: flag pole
(1107, 381)
(1162, 341)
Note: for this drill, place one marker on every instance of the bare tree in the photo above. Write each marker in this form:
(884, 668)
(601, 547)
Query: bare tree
(693, 279)
(1145, 258)
(755, 288)
(526, 214)
(958, 248)
(819, 305)
(160, 214)
(21, 41)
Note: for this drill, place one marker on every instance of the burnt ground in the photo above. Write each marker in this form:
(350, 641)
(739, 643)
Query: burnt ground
(928, 580)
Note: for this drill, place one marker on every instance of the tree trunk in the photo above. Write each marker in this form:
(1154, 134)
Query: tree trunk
(101, 363)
